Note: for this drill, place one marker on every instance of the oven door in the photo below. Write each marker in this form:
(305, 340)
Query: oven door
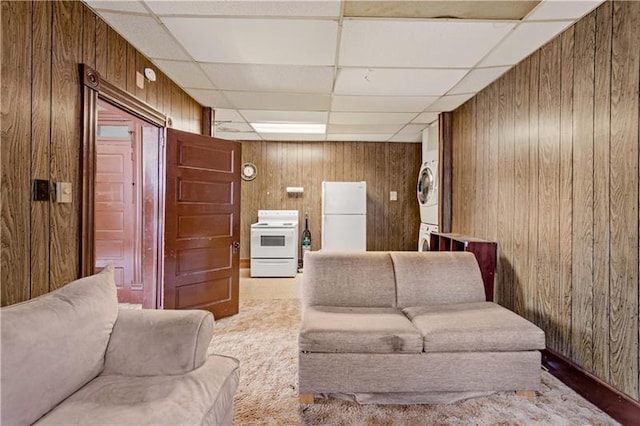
(276, 243)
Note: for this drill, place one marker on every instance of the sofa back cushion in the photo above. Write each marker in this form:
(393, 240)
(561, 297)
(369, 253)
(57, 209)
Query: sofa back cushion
(54, 344)
(362, 279)
(437, 278)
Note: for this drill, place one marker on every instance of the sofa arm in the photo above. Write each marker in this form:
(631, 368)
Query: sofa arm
(150, 342)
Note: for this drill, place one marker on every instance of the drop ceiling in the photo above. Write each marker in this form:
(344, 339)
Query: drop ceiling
(369, 70)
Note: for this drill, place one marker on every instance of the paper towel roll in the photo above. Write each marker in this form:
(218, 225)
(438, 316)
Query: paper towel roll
(295, 189)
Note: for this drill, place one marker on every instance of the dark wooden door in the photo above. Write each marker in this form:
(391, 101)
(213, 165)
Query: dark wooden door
(202, 223)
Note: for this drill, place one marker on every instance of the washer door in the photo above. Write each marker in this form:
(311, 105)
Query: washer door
(426, 185)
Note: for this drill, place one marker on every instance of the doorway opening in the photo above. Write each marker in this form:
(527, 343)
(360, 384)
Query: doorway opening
(109, 181)
(126, 203)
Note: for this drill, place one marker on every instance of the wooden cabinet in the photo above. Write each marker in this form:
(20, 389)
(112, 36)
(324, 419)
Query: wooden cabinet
(484, 250)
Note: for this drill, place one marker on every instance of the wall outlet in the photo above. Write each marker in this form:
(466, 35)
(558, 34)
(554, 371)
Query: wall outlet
(63, 192)
(393, 196)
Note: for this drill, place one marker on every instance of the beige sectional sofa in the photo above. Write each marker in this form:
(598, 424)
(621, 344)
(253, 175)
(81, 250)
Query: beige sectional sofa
(71, 357)
(407, 327)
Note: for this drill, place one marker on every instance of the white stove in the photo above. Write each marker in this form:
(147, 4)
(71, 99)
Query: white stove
(274, 244)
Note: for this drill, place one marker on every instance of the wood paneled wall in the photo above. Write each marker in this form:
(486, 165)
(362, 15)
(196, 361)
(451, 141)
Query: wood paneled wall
(42, 45)
(545, 161)
(391, 225)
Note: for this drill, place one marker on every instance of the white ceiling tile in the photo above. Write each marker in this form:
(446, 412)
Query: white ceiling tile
(415, 128)
(279, 101)
(209, 98)
(418, 43)
(407, 137)
(229, 127)
(257, 116)
(381, 103)
(364, 128)
(396, 82)
(523, 41)
(146, 35)
(370, 117)
(237, 136)
(359, 137)
(477, 80)
(222, 114)
(259, 65)
(271, 78)
(562, 9)
(300, 8)
(449, 103)
(120, 6)
(256, 41)
(186, 74)
(292, 137)
(426, 118)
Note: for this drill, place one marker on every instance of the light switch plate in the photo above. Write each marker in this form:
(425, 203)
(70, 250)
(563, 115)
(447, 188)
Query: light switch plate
(63, 192)
(393, 196)
(139, 80)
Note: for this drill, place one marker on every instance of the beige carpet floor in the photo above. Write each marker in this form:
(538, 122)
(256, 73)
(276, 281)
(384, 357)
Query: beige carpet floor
(264, 338)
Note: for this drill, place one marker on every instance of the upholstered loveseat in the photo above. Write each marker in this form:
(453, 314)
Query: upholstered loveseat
(405, 327)
(72, 357)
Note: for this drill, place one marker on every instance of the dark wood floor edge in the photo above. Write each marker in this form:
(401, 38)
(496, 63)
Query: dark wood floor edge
(613, 402)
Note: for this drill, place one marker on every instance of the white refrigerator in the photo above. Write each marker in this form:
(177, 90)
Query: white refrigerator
(344, 216)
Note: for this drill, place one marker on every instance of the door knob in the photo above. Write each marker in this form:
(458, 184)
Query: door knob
(236, 246)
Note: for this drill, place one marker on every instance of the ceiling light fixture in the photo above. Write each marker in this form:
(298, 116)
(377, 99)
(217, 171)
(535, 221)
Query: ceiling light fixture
(308, 128)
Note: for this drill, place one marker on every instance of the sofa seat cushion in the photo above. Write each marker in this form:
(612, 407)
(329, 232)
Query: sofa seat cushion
(474, 327)
(360, 330)
(202, 396)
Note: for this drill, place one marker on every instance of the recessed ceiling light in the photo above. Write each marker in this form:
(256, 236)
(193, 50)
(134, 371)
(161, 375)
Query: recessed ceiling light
(310, 128)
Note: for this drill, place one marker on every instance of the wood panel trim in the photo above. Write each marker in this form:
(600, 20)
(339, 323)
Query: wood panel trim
(94, 87)
(115, 95)
(601, 155)
(208, 115)
(582, 216)
(613, 402)
(446, 158)
(15, 37)
(89, 123)
(41, 113)
(162, 182)
(245, 263)
(623, 199)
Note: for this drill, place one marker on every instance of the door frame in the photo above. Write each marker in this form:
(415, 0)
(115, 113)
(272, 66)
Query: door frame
(94, 87)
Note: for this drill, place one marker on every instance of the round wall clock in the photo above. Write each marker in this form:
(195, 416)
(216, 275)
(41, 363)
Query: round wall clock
(249, 171)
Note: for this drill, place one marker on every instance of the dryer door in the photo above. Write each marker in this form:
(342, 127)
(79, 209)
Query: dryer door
(423, 243)
(426, 185)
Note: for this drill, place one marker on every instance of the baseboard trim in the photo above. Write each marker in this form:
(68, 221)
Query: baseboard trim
(613, 402)
(245, 263)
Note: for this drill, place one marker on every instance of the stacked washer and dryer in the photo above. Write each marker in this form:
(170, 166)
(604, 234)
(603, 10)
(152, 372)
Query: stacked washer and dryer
(427, 188)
